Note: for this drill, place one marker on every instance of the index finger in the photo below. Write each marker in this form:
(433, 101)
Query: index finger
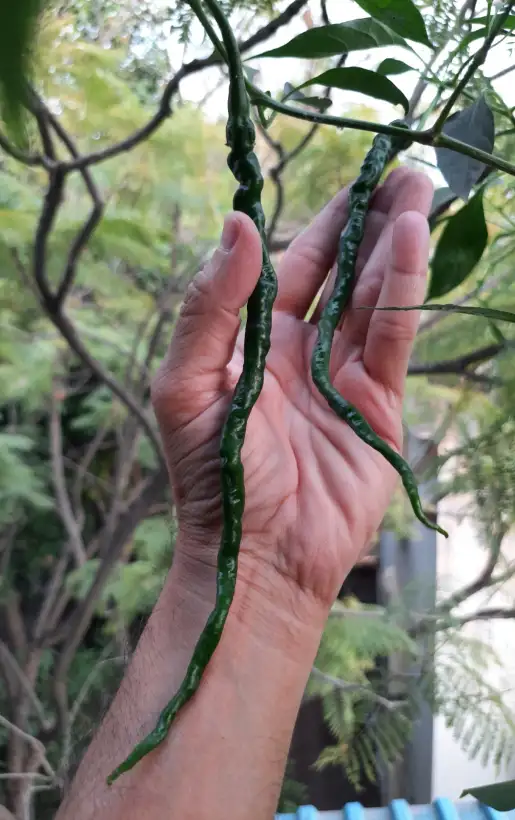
(312, 254)
(307, 261)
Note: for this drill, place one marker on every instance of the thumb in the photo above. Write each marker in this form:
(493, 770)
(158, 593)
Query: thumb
(206, 331)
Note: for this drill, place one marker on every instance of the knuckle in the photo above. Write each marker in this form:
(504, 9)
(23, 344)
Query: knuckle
(196, 291)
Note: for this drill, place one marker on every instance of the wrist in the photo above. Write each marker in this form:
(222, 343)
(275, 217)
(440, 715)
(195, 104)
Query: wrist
(267, 603)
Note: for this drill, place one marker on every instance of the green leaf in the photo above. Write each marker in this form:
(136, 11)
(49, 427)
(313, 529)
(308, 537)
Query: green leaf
(362, 80)
(336, 39)
(509, 23)
(442, 199)
(402, 16)
(17, 35)
(475, 126)
(499, 796)
(459, 249)
(390, 66)
(487, 313)
(319, 103)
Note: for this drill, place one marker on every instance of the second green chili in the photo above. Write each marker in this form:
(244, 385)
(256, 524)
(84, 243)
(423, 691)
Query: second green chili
(359, 199)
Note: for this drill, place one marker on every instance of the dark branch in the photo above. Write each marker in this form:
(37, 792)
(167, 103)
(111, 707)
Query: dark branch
(151, 491)
(67, 330)
(488, 614)
(458, 366)
(165, 107)
(20, 156)
(53, 306)
(477, 61)
(52, 202)
(94, 218)
(62, 498)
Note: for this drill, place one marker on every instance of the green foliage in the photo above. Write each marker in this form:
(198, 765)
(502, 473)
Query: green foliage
(500, 796)
(293, 793)
(103, 66)
(134, 585)
(391, 66)
(335, 39)
(371, 711)
(459, 249)
(475, 709)
(17, 35)
(362, 80)
(367, 727)
(21, 484)
(475, 126)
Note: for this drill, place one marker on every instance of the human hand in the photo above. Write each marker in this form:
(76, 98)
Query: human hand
(315, 493)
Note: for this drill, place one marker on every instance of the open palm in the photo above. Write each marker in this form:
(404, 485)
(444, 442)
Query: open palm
(315, 494)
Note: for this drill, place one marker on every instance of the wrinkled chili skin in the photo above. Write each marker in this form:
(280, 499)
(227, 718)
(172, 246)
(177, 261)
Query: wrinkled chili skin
(244, 165)
(359, 200)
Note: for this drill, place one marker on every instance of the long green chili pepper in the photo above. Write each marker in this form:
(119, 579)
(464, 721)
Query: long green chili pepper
(245, 167)
(350, 240)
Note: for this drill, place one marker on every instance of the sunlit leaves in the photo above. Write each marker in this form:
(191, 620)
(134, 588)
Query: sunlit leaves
(499, 796)
(336, 39)
(402, 16)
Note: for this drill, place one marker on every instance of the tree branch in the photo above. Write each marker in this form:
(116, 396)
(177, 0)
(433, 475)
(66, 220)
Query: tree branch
(10, 660)
(51, 205)
(492, 613)
(426, 137)
(32, 741)
(53, 308)
(64, 506)
(164, 111)
(95, 216)
(86, 608)
(359, 688)
(458, 366)
(19, 156)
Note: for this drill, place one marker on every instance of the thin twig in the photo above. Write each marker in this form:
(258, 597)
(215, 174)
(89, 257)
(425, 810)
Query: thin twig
(493, 613)
(460, 365)
(426, 137)
(323, 13)
(64, 506)
(10, 660)
(51, 205)
(358, 688)
(83, 236)
(32, 741)
(475, 63)
(152, 490)
(61, 321)
(20, 156)
(164, 111)
(501, 73)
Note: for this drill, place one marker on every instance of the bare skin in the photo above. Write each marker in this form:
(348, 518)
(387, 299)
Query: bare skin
(315, 495)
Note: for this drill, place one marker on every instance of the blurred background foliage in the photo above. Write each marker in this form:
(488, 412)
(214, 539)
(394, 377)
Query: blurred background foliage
(87, 528)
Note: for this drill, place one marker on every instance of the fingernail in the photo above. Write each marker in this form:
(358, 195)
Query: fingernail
(230, 234)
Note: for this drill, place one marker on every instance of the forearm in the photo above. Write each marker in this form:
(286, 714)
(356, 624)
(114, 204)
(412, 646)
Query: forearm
(226, 752)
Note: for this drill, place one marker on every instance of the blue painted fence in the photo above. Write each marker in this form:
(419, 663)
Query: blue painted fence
(441, 809)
